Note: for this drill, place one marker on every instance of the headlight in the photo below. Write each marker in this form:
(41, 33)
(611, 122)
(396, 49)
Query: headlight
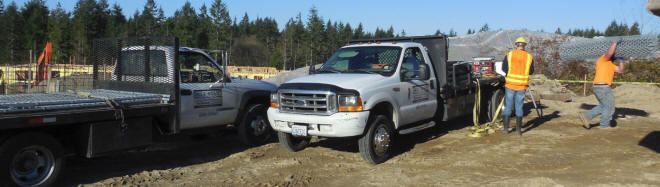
(274, 100)
(349, 103)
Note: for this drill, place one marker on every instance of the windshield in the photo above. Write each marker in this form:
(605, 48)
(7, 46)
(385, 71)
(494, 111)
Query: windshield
(381, 60)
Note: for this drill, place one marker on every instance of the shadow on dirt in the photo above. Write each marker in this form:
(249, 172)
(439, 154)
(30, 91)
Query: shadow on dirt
(651, 141)
(528, 109)
(620, 112)
(176, 151)
(402, 143)
(538, 121)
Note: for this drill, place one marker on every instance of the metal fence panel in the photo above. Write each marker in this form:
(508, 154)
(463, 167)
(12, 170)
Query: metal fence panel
(640, 46)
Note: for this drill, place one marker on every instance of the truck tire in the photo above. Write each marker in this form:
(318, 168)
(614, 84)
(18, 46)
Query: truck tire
(376, 145)
(292, 143)
(254, 128)
(494, 102)
(30, 159)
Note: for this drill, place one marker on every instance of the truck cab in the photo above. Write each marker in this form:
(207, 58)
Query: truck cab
(373, 89)
(208, 96)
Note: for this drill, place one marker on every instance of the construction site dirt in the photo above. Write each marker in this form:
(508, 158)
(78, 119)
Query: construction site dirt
(553, 151)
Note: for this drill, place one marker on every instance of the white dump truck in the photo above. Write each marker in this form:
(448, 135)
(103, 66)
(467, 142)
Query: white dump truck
(141, 88)
(375, 89)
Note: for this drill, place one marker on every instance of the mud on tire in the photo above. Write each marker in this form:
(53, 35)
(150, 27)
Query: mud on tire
(254, 128)
(376, 145)
(292, 143)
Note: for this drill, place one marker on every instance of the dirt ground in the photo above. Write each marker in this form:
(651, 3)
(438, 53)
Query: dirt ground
(553, 151)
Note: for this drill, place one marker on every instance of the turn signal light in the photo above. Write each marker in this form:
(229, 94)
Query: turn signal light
(350, 108)
(274, 104)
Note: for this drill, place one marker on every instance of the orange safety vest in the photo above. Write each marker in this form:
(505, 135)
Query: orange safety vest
(519, 62)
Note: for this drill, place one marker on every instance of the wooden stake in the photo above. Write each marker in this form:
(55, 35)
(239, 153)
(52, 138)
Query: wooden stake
(584, 86)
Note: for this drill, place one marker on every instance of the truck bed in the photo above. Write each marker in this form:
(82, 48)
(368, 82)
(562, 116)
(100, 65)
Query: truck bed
(38, 109)
(39, 102)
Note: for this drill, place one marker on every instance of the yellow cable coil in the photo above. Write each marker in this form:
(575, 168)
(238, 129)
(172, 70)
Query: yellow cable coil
(480, 130)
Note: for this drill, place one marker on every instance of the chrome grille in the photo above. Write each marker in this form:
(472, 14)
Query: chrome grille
(307, 102)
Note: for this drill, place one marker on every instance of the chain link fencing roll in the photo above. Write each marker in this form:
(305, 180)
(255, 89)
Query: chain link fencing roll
(638, 46)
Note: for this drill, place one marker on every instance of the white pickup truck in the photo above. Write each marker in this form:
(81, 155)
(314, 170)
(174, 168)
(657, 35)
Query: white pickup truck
(375, 89)
(143, 88)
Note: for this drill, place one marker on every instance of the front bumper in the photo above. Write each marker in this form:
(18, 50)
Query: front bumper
(341, 124)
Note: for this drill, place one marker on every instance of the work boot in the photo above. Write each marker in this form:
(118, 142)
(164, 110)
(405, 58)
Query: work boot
(505, 129)
(519, 125)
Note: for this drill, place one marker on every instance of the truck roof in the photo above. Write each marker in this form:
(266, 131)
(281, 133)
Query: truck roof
(387, 44)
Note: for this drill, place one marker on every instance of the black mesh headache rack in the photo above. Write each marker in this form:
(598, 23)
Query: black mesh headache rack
(135, 76)
(437, 49)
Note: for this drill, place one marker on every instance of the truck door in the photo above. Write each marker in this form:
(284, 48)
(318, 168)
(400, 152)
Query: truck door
(417, 96)
(205, 99)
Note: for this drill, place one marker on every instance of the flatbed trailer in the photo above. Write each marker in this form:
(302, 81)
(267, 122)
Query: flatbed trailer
(140, 91)
(42, 109)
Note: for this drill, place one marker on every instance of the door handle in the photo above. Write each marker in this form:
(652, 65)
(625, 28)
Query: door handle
(216, 87)
(186, 92)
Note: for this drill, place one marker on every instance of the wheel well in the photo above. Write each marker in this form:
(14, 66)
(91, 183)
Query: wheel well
(384, 108)
(258, 99)
(253, 100)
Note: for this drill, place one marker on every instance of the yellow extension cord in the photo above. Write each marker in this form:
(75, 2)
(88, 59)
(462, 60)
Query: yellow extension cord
(480, 130)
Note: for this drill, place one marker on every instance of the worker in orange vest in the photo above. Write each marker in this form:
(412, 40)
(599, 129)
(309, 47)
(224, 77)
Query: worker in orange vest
(517, 65)
(605, 70)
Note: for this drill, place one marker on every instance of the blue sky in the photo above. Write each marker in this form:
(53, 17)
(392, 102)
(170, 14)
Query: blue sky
(422, 17)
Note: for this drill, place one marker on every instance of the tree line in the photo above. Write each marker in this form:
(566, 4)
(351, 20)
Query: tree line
(614, 29)
(251, 42)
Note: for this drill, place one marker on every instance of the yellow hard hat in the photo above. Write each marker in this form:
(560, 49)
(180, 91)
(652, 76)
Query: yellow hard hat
(521, 40)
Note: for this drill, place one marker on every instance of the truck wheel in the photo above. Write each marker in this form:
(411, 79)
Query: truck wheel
(254, 128)
(292, 143)
(30, 159)
(494, 102)
(376, 145)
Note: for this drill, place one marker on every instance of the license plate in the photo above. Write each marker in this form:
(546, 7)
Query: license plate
(299, 130)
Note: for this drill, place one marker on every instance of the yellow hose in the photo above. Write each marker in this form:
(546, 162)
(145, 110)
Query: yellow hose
(480, 130)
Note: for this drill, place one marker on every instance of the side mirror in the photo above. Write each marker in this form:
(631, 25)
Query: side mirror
(424, 72)
(402, 74)
(312, 69)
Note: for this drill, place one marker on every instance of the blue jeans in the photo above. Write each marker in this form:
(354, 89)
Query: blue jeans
(511, 97)
(605, 108)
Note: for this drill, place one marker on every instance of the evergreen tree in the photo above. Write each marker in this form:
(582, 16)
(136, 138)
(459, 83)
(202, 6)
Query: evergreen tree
(185, 25)
(116, 26)
(452, 33)
(244, 26)
(484, 28)
(558, 31)
(634, 29)
(359, 32)
(204, 27)
(221, 34)
(58, 33)
(390, 32)
(332, 38)
(35, 14)
(315, 38)
(150, 19)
